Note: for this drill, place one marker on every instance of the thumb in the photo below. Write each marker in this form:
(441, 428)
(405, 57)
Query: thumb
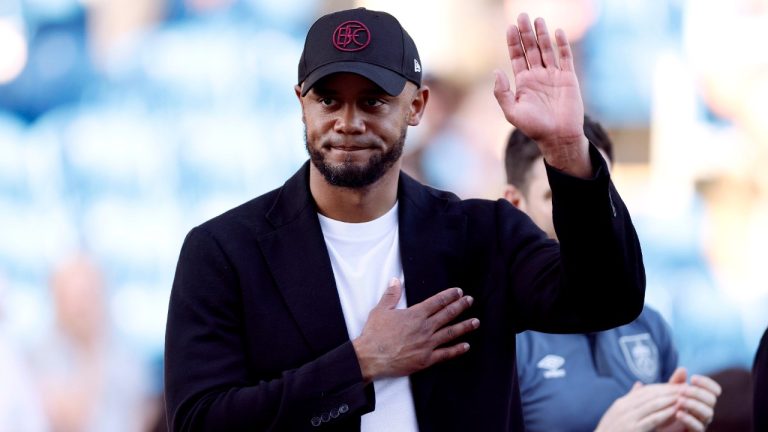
(391, 294)
(679, 376)
(504, 95)
(501, 83)
(636, 386)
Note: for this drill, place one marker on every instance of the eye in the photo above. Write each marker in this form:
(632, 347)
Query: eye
(373, 102)
(326, 101)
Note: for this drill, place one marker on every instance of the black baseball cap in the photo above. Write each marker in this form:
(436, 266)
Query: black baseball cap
(361, 41)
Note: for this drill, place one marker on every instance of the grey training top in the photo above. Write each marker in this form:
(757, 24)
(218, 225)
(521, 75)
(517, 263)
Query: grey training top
(568, 381)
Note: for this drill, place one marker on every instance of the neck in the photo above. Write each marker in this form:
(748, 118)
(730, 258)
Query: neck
(354, 205)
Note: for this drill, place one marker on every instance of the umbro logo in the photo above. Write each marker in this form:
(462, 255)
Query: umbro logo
(552, 366)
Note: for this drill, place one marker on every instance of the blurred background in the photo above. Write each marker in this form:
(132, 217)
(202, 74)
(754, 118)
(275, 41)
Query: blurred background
(124, 123)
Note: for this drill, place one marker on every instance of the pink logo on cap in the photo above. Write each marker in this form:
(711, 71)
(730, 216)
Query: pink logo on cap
(351, 36)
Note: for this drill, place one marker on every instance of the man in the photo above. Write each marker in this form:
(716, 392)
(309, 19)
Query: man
(89, 381)
(568, 381)
(342, 299)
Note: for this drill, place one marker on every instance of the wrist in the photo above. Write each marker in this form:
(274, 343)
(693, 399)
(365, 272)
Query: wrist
(364, 362)
(570, 156)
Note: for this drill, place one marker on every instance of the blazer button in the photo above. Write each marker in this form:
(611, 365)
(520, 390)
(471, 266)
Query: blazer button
(325, 417)
(343, 408)
(335, 412)
(316, 421)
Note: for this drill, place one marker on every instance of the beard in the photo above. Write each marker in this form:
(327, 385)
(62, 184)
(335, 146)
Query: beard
(350, 174)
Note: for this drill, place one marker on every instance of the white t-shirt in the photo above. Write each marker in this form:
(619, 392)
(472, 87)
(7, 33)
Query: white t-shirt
(365, 257)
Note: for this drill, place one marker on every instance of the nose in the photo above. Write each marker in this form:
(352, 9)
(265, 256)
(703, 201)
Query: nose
(350, 121)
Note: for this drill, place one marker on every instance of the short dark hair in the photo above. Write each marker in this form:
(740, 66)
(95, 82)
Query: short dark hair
(522, 152)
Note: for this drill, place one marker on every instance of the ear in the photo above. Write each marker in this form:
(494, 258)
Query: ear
(515, 196)
(418, 104)
(297, 89)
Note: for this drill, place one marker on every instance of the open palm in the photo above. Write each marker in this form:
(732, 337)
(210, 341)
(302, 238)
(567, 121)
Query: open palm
(546, 103)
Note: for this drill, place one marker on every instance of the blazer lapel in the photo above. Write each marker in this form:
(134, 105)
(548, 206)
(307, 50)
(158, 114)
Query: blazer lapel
(431, 240)
(296, 254)
(431, 249)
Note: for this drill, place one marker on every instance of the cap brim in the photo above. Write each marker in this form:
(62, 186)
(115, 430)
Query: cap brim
(391, 82)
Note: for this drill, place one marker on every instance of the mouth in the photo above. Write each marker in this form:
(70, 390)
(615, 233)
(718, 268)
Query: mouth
(348, 148)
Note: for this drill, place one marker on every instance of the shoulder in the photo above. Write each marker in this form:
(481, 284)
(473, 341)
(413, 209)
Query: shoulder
(649, 327)
(252, 213)
(649, 324)
(430, 198)
(266, 212)
(487, 223)
(250, 216)
(653, 321)
(232, 233)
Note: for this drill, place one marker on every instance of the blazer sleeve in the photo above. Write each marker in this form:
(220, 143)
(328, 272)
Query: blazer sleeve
(595, 278)
(208, 385)
(760, 385)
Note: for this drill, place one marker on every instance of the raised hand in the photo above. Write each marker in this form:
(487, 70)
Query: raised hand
(399, 342)
(546, 103)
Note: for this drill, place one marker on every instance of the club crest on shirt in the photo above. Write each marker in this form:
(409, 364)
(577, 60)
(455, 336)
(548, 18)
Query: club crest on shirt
(641, 355)
(552, 366)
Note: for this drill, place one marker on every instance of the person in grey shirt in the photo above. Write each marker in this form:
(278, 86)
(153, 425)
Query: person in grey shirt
(623, 378)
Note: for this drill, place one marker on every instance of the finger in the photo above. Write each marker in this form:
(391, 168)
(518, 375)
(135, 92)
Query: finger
(450, 312)
(658, 418)
(678, 376)
(698, 409)
(707, 383)
(439, 301)
(545, 43)
(501, 87)
(516, 52)
(690, 422)
(443, 354)
(528, 38)
(653, 391)
(564, 51)
(651, 398)
(449, 333)
(391, 295)
(636, 385)
(648, 402)
(504, 95)
(701, 394)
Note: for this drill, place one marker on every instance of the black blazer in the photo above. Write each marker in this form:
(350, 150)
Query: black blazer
(760, 385)
(256, 339)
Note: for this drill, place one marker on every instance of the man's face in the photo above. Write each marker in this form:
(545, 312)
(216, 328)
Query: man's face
(354, 131)
(537, 198)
